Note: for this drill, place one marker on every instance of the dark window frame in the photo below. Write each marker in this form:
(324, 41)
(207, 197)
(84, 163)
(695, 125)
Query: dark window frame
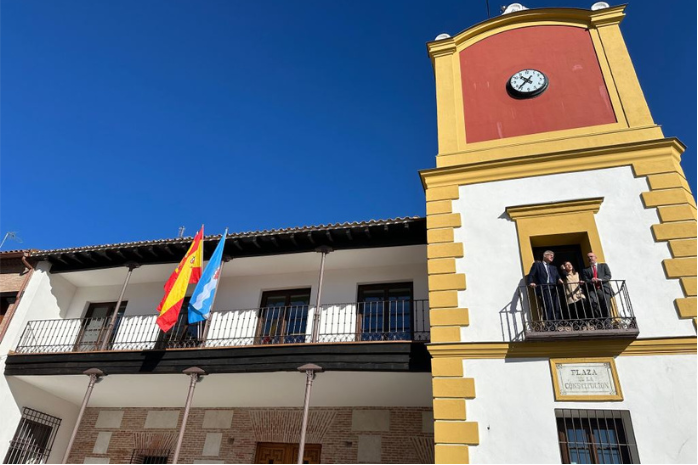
(182, 334)
(8, 300)
(150, 456)
(78, 346)
(282, 337)
(585, 423)
(23, 446)
(386, 287)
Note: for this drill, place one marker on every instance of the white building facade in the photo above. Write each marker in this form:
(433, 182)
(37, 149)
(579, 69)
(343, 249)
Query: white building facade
(373, 326)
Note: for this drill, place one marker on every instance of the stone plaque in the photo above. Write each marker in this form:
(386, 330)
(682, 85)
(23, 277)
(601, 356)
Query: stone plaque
(585, 379)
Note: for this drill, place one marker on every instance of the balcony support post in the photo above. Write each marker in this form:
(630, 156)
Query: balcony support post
(324, 250)
(195, 375)
(95, 375)
(112, 322)
(309, 370)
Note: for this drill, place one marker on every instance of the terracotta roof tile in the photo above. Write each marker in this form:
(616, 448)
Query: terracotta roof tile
(266, 232)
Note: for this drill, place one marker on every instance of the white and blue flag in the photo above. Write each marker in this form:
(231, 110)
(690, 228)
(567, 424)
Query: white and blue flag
(202, 299)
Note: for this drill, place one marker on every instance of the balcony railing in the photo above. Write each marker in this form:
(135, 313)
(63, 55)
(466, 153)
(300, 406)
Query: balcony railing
(396, 320)
(577, 309)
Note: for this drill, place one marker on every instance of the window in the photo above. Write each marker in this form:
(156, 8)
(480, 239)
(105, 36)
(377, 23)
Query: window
(385, 312)
(570, 226)
(563, 253)
(150, 455)
(283, 317)
(33, 439)
(596, 436)
(7, 299)
(95, 324)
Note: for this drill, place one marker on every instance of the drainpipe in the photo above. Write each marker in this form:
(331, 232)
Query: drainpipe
(95, 375)
(310, 370)
(20, 293)
(112, 322)
(195, 375)
(324, 250)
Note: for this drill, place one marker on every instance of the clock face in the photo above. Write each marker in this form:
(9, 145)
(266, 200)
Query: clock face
(527, 83)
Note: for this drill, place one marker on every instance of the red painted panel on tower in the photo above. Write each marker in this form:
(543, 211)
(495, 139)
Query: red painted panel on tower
(576, 96)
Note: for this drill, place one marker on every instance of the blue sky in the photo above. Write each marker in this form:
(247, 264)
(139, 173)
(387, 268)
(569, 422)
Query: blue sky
(123, 120)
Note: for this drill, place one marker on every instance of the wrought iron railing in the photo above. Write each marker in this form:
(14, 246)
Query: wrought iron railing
(150, 456)
(395, 320)
(580, 308)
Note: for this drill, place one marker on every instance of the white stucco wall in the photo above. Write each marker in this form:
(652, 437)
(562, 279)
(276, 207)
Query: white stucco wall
(16, 395)
(42, 299)
(45, 297)
(492, 262)
(515, 408)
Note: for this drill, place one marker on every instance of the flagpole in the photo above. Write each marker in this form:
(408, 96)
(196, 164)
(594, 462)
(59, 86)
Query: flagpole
(207, 323)
(178, 282)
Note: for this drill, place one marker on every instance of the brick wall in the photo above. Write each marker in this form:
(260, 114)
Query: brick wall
(12, 274)
(385, 435)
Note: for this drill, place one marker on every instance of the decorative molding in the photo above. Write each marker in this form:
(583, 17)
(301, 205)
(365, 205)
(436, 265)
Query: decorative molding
(569, 222)
(646, 157)
(535, 17)
(554, 208)
(285, 425)
(154, 441)
(566, 349)
(585, 138)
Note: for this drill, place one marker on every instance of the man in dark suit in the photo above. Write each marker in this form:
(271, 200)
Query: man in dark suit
(599, 289)
(544, 278)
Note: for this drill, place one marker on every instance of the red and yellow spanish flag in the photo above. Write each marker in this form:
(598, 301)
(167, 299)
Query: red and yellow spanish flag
(188, 271)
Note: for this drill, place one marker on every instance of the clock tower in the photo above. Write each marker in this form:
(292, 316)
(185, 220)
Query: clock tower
(547, 148)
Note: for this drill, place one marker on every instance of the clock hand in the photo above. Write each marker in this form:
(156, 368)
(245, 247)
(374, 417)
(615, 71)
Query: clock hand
(526, 80)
